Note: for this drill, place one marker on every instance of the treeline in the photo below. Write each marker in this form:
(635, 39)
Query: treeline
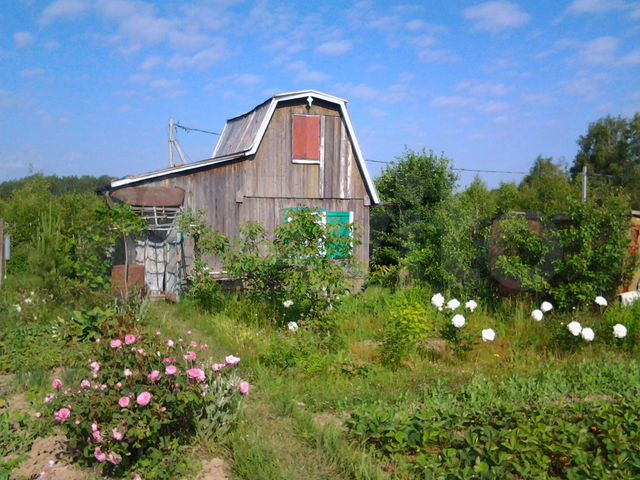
(56, 185)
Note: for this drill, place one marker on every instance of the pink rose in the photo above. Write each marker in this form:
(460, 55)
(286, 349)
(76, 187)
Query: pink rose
(189, 332)
(196, 374)
(244, 388)
(97, 437)
(116, 343)
(143, 399)
(56, 384)
(142, 352)
(154, 376)
(129, 339)
(62, 415)
(123, 402)
(101, 457)
(49, 398)
(171, 370)
(204, 346)
(113, 458)
(193, 344)
(190, 356)
(95, 366)
(169, 360)
(127, 373)
(117, 436)
(94, 427)
(218, 366)
(170, 343)
(85, 384)
(118, 386)
(231, 360)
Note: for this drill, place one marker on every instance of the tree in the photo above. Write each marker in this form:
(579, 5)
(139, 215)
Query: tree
(611, 147)
(545, 188)
(411, 187)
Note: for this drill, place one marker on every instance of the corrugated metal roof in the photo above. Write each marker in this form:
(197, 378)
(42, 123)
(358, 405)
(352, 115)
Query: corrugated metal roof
(240, 132)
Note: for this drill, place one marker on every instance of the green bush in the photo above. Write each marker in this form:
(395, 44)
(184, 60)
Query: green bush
(143, 399)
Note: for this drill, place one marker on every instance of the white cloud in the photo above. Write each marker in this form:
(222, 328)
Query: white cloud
(483, 88)
(304, 74)
(334, 48)
(23, 39)
(427, 49)
(150, 63)
(247, 80)
(52, 45)
(495, 17)
(601, 51)
(585, 85)
(361, 91)
(581, 7)
(630, 59)
(64, 10)
(494, 107)
(451, 101)
(32, 72)
(203, 59)
(170, 88)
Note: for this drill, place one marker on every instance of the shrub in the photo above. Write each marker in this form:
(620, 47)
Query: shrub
(142, 400)
(407, 325)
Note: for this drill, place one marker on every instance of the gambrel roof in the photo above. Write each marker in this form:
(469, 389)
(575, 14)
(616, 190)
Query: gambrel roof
(242, 135)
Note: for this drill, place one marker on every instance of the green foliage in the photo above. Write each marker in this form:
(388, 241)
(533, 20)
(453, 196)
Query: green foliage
(18, 430)
(57, 186)
(545, 189)
(407, 326)
(294, 273)
(610, 147)
(413, 185)
(516, 428)
(195, 402)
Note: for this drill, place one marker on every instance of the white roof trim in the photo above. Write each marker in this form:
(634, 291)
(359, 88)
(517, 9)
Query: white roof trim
(258, 139)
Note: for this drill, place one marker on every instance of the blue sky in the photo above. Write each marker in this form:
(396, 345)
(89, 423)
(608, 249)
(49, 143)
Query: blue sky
(88, 87)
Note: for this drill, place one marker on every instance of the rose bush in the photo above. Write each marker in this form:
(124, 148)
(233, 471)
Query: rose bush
(143, 398)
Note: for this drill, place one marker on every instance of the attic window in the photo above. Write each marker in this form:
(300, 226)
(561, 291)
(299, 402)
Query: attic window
(306, 139)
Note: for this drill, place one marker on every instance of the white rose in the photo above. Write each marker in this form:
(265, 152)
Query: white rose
(453, 304)
(437, 300)
(537, 315)
(575, 328)
(471, 305)
(546, 307)
(292, 326)
(588, 334)
(458, 321)
(619, 330)
(601, 301)
(488, 335)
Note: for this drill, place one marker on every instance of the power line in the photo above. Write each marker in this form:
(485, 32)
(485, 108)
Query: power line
(190, 129)
(461, 169)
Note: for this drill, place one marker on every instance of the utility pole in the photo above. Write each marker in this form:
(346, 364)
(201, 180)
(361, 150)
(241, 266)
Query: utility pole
(584, 184)
(171, 129)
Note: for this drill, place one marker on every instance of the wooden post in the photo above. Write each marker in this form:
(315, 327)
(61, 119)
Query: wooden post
(2, 261)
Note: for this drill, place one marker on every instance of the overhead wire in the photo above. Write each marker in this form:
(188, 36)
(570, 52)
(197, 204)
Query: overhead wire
(461, 169)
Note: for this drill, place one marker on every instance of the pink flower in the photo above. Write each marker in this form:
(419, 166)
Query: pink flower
(127, 373)
(116, 343)
(85, 384)
(218, 366)
(49, 398)
(137, 477)
(171, 370)
(169, 360)
(94, 427)
(189, 332)
(129, 339)
(95, 366)
(244, 388)
(62, 415)
(170, 343)
(117, 436)
(231, 360)
(158, 333)
(143, 399)
(190, 356)
(113, 458)
(101, 457)
(118, 386)
(193, 344)
(97, 437)
(123, 402)
(141, 352)
(154, 376)
(204, 346)
(56, 384)
(196, 374)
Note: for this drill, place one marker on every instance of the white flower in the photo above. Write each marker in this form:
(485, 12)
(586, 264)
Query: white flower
(601, 301)
(488, 335)
(619, 330)
(18, 308)
(546, 307)
(28, 300)
(170, 343)
(458, 321)
(292, 326)
(575, 328)
(127, 373)
(537, 315)
(287, 303)
(453, 304)
(471, 305)
(588, 334)
(437, 301)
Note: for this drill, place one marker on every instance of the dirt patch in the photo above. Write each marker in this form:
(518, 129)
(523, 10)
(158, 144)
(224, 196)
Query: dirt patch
(48, 459)
(327, 418)
(213, 469)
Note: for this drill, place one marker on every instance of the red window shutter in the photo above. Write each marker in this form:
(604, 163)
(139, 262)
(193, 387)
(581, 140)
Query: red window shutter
(306, 137)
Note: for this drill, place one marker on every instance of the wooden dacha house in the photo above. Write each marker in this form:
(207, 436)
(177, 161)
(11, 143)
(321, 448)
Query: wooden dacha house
(294, 150)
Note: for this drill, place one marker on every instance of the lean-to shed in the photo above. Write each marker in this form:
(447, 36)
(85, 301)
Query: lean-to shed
(294, 150)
